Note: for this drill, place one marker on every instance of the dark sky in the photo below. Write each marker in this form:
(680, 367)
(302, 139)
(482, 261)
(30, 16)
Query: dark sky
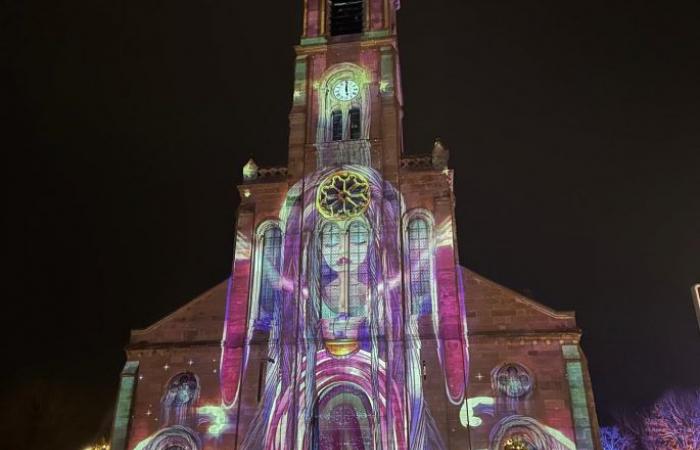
(574, 129)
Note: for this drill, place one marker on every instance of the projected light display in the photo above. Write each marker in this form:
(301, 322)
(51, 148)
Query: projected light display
(356, 379)
(348, 294)
(345, 314)
(333, 307)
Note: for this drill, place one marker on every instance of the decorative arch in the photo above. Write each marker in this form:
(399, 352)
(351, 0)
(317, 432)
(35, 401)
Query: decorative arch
(176, 437)
(267, 265)
(529, 433)
(353, 115)
(419, 261)
(330, 374)
(180, 399)
(343, 417)
(512, 380)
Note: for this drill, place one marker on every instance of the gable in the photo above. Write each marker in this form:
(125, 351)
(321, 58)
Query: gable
(199, 321)
(494, 308)
(490, 308)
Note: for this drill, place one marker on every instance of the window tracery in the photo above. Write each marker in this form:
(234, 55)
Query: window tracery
(512, 380)
(270, 265)
(420, 265)
(343, 195)
(344, 272)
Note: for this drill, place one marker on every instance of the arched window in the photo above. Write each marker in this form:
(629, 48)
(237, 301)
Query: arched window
(358, 242)
(355, 124)
(332, 251)
(512, 380)
(178, 402)
(420, 265)
(346, 16)
(337, 125)
(270, 264)
(344, 270)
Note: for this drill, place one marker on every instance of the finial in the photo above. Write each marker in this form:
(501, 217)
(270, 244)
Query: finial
(441, 155)
(250, 171)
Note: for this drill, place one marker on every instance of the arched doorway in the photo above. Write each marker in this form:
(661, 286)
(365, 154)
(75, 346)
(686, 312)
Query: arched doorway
(343, 420)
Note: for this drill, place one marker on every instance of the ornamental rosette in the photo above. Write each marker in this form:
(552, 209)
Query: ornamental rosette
(343, 195)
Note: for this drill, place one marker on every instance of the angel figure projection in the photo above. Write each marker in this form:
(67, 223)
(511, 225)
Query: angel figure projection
(339, 370)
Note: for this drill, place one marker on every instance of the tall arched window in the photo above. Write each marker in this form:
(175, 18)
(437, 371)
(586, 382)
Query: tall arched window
(346, 16)
(420, 265)
(337, 125)
(358, 241)
(344, 270)
(332, 251)
(270, 264)
(355, 124)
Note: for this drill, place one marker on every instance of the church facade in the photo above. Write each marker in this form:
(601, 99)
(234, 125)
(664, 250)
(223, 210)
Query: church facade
(347, 322)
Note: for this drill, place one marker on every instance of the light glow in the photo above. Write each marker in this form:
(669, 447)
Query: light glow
(217, 418)
(467, 414)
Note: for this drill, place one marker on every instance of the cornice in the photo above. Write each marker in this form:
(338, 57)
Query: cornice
(325, 47)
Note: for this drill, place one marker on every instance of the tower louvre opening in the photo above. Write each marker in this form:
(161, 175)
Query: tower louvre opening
(355, 130)
(346, 17)
(337, 125)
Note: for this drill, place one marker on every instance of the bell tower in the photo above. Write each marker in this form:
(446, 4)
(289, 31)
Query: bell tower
(347, 104)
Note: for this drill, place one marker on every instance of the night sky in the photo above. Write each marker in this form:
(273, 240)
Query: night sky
(575, 136)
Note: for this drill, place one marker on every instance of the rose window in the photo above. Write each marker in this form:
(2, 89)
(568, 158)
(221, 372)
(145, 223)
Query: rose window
(512, 380)
(343, 195)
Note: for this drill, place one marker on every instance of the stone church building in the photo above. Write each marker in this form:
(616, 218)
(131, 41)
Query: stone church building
(347, 322)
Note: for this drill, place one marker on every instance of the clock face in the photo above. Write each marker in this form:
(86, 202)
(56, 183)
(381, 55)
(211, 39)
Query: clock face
(346, 90)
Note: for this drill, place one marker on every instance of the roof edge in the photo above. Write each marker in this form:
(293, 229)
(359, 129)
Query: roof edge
(159, 323)
(553, 313)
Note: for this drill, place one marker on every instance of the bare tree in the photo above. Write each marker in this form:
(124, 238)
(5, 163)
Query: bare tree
(612, 438)
(673, 423)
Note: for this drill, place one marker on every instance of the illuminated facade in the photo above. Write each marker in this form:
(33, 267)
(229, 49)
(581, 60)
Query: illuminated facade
(347, 322)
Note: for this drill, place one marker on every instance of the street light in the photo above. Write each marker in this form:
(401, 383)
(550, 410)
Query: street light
(101, 446)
